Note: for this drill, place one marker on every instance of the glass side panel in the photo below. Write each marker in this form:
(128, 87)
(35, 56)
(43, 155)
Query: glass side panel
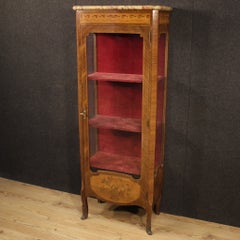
(115, 102)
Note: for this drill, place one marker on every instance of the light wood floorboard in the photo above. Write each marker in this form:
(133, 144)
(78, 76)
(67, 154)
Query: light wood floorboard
(34, 213)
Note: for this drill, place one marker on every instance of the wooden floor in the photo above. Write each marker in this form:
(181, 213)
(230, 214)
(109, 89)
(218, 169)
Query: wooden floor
(31, 212)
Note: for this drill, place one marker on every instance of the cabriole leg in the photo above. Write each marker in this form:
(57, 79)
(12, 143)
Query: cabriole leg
(84, 206)
(157, 204)
(149, 220)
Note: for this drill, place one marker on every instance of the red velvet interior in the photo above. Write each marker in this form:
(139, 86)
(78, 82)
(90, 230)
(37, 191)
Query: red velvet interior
(120, 99)
(119, 53)
(116, 123)
(127, 164)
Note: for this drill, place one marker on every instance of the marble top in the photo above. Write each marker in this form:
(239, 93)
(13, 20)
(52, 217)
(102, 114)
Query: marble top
(123, 7)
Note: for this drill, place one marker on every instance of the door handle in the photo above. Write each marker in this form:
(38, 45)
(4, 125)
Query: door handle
(83, 114)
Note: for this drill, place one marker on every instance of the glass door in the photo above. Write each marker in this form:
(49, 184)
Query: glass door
(115, 102)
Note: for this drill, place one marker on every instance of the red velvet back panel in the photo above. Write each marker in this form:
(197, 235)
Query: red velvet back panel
(120, 99)
(119, 53)
(120, 142)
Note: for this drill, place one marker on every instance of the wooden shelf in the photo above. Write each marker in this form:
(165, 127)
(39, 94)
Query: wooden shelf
(116, 123)
(115, 162)
(116, 77)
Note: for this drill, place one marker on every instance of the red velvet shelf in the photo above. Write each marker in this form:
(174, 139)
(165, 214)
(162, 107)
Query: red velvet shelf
(118, 77)
(115, 77)
(116, 123)
(114, 162)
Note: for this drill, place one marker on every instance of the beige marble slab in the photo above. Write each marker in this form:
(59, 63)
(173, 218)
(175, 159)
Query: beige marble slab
(123, 7)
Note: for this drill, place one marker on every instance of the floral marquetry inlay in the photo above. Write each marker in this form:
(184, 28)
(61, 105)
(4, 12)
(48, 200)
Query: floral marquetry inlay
(115, 17)
(115, 188)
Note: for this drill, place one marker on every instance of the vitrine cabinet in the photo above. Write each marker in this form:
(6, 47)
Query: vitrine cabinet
(122, 56)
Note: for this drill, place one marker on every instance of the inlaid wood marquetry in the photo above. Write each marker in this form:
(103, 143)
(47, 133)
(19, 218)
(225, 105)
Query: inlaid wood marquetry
(115, 17)
(115, 188)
